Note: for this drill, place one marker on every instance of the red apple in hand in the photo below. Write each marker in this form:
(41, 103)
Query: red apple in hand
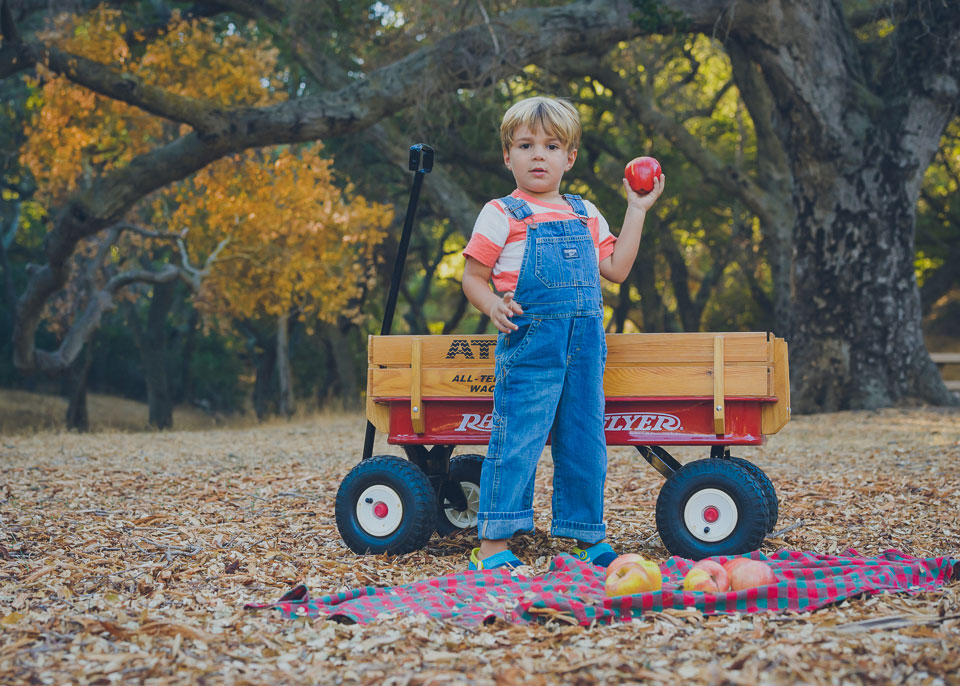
(707, 575)
(750, 574)
(641, 172)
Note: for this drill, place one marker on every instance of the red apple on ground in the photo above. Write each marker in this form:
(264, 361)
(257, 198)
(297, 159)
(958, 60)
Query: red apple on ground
(626, 558)
(634, 577)
(733, 563)
(710, 576)
(640, 173)
(750, 574)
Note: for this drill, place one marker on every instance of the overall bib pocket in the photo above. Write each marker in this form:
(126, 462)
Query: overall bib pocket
(565, 261)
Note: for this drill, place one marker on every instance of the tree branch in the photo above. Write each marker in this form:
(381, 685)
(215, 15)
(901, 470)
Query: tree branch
(88, 322)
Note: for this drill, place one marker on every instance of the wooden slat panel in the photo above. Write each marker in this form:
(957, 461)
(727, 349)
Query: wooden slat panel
(378, 415)
(775, 415)
(622, 349)
(617, 382)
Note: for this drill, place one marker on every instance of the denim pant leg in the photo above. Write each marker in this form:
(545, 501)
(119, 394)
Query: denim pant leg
(529, 379)
(578, 444)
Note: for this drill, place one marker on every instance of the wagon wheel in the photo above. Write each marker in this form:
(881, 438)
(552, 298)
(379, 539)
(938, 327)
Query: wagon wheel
(711, 507)
(385, 505)
(769, 492)
(459, 496)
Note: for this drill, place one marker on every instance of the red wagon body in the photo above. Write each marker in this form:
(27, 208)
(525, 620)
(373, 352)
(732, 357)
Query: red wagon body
(430, 394)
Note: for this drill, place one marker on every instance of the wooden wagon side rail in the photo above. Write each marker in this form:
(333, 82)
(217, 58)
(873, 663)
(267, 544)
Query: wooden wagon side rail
(715, 366)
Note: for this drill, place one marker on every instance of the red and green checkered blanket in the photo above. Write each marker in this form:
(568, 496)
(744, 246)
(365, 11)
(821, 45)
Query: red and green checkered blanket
(574, 589)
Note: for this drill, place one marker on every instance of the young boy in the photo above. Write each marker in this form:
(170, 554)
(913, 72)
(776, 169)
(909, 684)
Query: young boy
(546, 252)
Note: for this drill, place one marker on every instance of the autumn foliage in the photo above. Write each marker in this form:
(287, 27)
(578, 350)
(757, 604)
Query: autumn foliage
(291, 239)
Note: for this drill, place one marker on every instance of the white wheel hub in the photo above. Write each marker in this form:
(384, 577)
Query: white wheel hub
(466, 518)
(379, 510)
(710, 515)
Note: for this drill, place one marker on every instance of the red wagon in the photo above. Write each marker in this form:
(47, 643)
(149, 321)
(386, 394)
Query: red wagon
(430, 394)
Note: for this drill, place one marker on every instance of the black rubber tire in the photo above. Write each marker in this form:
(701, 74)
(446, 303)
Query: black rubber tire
(463, 468)
(723, 475)
(769, 492)
(419, 502)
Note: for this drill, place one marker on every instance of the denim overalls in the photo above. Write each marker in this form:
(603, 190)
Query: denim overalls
(549, 378)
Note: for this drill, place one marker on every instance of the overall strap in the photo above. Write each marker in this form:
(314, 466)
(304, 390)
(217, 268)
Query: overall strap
(517, 207)
(576, 204)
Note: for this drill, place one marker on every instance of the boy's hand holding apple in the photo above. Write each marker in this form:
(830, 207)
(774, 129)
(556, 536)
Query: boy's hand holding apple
(644, 182)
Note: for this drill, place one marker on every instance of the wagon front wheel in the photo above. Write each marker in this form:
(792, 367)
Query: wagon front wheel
(459, 495)
(385, 505)
(711, 507)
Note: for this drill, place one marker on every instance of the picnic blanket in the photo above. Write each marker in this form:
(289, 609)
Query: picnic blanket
(574, 591)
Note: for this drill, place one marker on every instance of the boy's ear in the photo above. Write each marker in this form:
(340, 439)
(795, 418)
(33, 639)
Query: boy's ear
(571, 158)
(506, 158)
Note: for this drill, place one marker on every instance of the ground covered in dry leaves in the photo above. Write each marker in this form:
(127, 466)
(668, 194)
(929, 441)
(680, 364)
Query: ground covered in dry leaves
(127, 558)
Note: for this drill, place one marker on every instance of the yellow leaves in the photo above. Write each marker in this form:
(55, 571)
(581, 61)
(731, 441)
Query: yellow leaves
(297, 242)
(74, 134)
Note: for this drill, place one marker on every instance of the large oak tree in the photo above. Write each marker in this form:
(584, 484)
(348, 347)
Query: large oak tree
(849, 110)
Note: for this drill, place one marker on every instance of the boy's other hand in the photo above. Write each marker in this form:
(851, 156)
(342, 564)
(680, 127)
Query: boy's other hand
(502, 311)
(646, 201)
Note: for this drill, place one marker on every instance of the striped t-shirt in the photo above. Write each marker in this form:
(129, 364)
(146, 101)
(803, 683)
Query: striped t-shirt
(498, 239)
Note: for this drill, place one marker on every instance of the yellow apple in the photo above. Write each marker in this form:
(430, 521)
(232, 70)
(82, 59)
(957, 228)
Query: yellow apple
(634, 577)
(626, 558)
(717, 578)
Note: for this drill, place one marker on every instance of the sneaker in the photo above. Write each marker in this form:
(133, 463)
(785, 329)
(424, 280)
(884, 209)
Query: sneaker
(503, 560)
(600, 554)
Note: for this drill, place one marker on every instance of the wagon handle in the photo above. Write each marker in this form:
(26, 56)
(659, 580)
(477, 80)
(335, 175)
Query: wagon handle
(421, 162)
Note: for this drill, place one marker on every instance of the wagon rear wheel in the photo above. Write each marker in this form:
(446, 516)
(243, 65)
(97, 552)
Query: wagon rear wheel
(385, 505)
(711, 507)
(459, 495)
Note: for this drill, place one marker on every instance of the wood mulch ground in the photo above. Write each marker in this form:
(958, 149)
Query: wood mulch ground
(126, 558)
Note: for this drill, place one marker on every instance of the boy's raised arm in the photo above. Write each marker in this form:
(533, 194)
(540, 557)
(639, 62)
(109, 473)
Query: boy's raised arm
(617, 266)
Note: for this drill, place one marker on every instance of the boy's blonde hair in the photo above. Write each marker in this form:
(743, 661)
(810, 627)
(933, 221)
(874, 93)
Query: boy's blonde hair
(556, 117)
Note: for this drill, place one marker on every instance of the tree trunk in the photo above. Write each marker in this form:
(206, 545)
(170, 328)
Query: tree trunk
(343, 362)
(285, 402)
(265, 362)
(76, 388)
(858, 341)
(152, 342)
(857, 145)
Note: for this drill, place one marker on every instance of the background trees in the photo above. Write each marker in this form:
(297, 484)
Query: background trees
(798, 140)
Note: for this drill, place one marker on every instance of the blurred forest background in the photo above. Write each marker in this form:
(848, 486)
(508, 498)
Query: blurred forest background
(201, 202)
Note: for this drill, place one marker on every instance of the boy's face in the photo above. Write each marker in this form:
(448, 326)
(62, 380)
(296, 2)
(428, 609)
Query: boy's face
(538, 161)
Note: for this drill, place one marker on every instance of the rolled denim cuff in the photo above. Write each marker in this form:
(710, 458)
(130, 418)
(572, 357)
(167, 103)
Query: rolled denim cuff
(497, 525)
(588, 533)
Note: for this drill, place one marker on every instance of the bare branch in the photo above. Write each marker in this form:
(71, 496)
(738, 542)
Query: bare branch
(192, 275)
(88, 322)
(123, 226)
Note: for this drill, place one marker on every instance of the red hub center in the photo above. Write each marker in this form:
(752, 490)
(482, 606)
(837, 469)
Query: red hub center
(381, 509)
(711, 514)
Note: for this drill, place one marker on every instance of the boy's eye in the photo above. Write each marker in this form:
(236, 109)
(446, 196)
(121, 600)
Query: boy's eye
(524, 146)
(553, 146)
